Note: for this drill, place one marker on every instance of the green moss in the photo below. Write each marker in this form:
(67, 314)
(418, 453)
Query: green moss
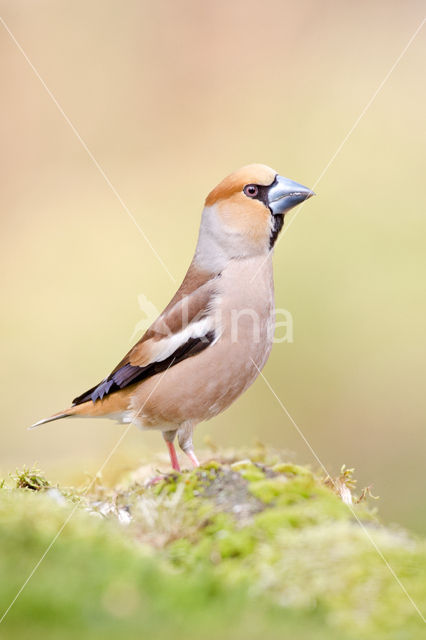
(283, 490)
(291, 469)
(231, 550)
(268, 490)
(248, 470)
(30, 479)
(96, 583)
(211, 465)
(235, 544)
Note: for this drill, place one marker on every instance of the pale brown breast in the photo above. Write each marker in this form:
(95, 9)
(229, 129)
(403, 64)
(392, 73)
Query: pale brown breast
(199, 388)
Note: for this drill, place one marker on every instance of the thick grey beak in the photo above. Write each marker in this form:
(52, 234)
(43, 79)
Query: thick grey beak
(284, 194)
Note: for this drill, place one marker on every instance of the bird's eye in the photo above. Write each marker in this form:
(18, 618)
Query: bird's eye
(251, 190)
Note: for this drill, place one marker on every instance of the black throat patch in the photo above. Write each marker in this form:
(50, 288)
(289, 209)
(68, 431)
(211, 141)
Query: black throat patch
(277, 220)
(277, 225)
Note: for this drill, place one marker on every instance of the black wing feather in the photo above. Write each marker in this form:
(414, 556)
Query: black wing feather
(129, 374)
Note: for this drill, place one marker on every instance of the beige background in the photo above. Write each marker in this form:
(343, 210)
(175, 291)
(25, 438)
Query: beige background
(171, 96)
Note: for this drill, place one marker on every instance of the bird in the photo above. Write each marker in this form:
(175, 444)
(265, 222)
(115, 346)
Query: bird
(215, 335)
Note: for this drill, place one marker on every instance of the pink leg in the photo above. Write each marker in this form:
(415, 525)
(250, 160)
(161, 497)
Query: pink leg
(191, 455)
(173, 456)
(184, 434)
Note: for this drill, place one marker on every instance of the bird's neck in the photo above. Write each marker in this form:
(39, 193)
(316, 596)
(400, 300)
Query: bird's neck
(217, 245)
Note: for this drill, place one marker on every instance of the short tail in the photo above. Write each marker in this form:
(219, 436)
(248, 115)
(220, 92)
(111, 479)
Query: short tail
(109, 405)
(56, 416)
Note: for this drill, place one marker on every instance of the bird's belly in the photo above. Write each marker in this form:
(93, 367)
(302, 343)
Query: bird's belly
(202, 386)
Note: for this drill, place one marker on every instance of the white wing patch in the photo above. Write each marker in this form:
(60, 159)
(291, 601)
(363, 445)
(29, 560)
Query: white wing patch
(169, 345)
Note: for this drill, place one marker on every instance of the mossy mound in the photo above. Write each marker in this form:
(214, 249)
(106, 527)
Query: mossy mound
(235, 549)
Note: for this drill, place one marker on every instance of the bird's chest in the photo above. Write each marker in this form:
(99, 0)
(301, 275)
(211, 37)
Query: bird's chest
(246, 311)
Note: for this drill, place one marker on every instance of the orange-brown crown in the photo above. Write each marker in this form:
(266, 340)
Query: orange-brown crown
(258, 174)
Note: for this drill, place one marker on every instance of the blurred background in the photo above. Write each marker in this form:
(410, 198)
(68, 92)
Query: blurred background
(170, 97)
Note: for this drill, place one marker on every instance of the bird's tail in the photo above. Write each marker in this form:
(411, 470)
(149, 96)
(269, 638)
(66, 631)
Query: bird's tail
(67, 413)
(109, 405)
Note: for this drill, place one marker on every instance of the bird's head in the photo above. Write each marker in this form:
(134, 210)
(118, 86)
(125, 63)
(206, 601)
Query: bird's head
(244, 214)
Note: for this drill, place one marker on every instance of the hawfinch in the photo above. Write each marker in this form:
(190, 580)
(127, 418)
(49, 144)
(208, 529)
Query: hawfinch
(215, 335)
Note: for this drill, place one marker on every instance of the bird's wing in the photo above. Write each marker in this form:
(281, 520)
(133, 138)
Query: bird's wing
(185, 328)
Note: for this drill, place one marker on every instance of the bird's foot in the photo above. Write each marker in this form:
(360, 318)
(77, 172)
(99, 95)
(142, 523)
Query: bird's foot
(191, 455)
(153, 481)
